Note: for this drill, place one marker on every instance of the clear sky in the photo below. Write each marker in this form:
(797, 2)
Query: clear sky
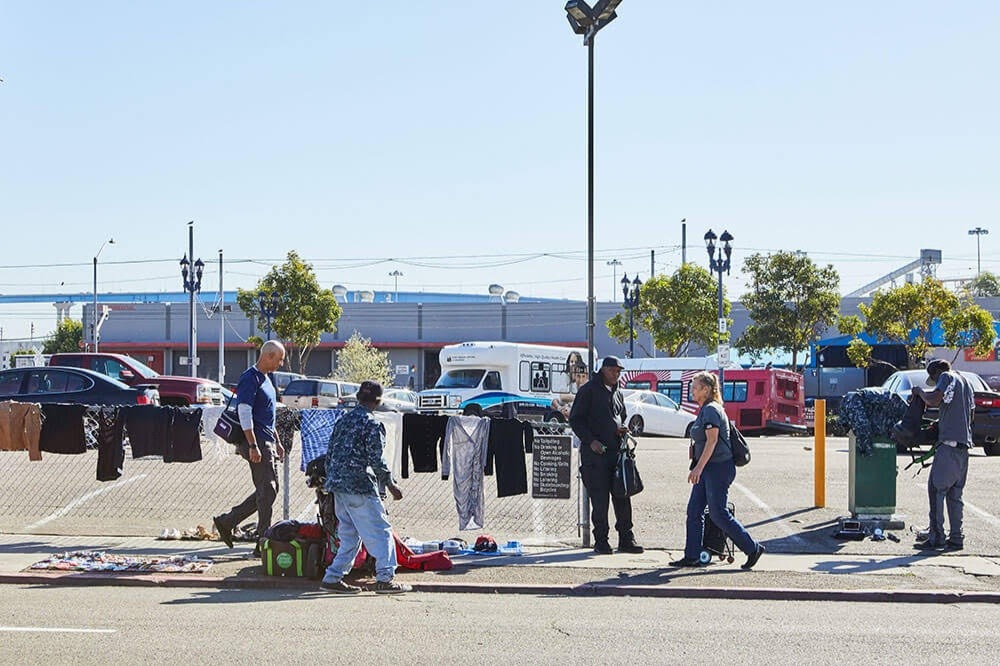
(447, 140)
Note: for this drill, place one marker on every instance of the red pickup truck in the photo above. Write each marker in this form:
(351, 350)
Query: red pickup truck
(174, 390)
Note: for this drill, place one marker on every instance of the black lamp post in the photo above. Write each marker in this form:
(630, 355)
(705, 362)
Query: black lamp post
(718, 262)
(978, 232)
(588, 21)
(268, 303)
(630, 292)
(191, 279)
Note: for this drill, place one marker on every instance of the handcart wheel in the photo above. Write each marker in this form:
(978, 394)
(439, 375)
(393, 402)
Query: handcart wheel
(705, 557)
(314, 563)
(730, 559)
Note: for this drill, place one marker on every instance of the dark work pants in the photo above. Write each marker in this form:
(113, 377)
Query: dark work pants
(261, 500)
(597, 472)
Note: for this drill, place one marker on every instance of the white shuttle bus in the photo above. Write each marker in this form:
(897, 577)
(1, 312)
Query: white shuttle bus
(504, 378)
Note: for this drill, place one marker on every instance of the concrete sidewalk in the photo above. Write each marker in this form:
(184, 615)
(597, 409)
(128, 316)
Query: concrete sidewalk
(945, 578)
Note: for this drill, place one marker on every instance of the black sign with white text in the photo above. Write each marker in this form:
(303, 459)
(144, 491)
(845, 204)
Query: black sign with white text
(551, 467)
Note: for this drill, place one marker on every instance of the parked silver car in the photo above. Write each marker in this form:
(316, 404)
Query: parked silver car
(322, 393)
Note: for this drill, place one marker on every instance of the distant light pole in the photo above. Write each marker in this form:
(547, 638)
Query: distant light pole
(614, 263)
(395, 275)
(110, 241)
(977, 232)
(588, 22)
(191, 279)
(630, 291)
(268, 302)
(719, 262)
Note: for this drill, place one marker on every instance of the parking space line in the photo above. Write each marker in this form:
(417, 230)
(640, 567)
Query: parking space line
(982, 513)
(780, 522)
(58, 630)
(80, 500)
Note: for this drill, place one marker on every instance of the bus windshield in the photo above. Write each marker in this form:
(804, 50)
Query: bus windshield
(461, 379)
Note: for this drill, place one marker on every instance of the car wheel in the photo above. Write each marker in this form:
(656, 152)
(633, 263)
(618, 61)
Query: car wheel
(472, 410)
(635, 424)
(991, 448)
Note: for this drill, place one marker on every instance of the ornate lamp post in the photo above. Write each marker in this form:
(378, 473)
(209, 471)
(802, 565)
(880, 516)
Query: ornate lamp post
(268, 303)
(191, 279)
(395, 275)
(630, 292)
(719, 262)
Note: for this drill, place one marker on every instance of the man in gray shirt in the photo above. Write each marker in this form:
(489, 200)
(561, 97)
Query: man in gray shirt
(954, 396)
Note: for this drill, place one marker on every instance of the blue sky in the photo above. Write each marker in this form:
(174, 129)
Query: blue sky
(451, 137)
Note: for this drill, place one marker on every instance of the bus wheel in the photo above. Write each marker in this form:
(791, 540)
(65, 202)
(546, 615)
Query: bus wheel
(554, 417)
(472, 410)
(636, 425)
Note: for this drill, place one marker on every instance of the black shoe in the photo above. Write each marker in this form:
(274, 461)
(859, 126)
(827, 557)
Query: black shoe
(256, 550)
(929, 547)
(603, 548)
(340, 587)
(753, 557)
(630, 547)
(687, 562)
(225, 533)
(392, 587)
(952, 545)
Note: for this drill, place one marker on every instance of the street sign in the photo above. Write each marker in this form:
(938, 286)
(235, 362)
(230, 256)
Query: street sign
(402, 369)
(551, 467)
(723, 326)
(723, 354)
(186, 360)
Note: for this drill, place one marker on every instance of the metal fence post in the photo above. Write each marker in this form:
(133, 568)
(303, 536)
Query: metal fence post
(286, 498)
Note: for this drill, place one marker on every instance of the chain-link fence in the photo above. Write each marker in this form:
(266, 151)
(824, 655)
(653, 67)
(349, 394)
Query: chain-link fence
(60, 495)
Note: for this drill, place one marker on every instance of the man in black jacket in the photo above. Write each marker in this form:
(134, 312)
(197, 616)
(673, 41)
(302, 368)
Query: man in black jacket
(598, 419)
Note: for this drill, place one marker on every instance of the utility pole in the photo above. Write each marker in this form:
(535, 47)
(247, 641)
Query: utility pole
(222, 328)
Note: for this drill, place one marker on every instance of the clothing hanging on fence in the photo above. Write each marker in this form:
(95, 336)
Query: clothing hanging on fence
(209, 417)
(317, 425)
(20, 427)
(509, 440)
(423, 436)
(110, 442)
(148, 428)
(464, 457)
(184, 440)
(393, 422)
(62, 429)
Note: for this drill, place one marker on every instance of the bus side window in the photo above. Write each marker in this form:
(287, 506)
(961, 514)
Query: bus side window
(492, 381)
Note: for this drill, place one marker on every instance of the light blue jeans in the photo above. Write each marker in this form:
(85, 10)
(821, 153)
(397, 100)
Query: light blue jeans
(362, 519)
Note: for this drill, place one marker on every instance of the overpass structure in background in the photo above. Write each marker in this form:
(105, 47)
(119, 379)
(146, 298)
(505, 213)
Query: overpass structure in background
(926, 265)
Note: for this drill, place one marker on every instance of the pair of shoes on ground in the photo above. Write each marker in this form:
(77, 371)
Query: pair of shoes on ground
(688, 563)
(693, 562)
(934, 547)
(381, 587)
(629, 545)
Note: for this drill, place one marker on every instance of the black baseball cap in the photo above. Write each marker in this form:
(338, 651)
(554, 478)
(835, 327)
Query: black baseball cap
(612, 362)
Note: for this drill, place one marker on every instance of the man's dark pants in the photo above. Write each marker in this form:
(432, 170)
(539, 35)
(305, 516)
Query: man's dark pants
(261, 500)
(597, 472)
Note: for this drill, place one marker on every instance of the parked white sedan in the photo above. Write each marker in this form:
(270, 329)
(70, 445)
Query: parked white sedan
(652, 413)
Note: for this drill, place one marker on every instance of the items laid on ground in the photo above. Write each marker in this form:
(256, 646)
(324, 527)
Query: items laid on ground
(96, 560)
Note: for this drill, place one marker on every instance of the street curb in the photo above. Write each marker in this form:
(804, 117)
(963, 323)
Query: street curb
(99, 579)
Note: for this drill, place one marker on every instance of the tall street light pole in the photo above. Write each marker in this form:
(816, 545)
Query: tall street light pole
(614, 263)
(588, 21)
(395, 275)
(719, 262)
(192, 286)
(977, 232)
(630, 291)
(268, 303)
(110, 241)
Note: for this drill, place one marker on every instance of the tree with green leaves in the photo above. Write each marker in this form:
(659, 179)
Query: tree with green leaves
(67, 338)
(984, 285)
(678, 310)
(359, 360)
(791, 302)
(305, 310)
(906, 315)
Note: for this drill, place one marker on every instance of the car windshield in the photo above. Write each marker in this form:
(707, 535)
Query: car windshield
(144, 370)
(465, 379)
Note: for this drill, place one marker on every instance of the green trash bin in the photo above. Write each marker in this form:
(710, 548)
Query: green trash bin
(872, 480)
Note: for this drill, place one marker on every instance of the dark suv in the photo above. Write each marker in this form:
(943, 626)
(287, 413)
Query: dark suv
(985, 420)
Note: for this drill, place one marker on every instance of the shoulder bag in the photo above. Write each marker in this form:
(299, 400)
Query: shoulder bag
(739, 446)
(626, 481)
(228, 426)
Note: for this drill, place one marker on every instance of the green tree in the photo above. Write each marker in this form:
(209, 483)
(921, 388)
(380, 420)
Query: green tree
(359, 360)
(984, 285)
(678, 311)
(68, 337)
(305, 310)
(791, 302)
(906, 315)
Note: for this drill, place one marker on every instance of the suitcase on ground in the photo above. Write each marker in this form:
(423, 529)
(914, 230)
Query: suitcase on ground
(298, 558)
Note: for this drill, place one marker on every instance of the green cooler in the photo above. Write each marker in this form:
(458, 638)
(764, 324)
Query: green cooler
(872, 480)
